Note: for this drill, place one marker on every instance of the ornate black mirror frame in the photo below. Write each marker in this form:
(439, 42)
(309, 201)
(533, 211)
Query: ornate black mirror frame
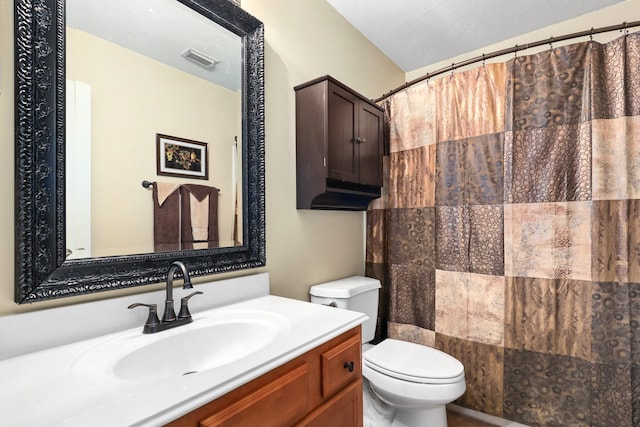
(41, 271)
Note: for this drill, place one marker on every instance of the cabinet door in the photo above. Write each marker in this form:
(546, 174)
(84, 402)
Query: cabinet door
(278, 404)
(370, 144)
(342, 128)
(343, 410)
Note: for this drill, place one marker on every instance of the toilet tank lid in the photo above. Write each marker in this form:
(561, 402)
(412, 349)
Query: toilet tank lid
(345, 288)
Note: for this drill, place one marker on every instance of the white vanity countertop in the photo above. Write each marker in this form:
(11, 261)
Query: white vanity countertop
(41, 388)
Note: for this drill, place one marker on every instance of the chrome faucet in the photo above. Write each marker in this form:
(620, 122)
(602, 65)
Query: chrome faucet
(169, 319)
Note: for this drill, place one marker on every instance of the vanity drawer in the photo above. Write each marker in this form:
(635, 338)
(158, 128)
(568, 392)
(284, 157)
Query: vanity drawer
(341, 365)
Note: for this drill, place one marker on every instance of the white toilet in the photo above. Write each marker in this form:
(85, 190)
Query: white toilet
(416, 380)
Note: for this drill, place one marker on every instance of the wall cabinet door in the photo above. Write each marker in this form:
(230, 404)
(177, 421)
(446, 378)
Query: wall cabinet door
(354, 138)
(342, 131)
(370, 125)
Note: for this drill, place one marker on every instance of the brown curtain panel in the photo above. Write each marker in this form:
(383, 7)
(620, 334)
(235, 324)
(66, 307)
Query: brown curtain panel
(508, 233)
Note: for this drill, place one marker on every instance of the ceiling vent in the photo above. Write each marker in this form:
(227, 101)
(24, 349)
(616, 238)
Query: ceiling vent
(200, 58)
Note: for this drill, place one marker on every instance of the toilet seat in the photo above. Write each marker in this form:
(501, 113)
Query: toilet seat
(414, 363)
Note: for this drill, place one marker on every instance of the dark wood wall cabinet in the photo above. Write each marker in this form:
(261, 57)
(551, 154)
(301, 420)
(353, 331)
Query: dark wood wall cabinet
(320, 388)
(339, 137)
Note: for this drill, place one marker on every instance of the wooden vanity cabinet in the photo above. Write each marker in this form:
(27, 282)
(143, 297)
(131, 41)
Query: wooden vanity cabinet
(339, 146)
(320, 388)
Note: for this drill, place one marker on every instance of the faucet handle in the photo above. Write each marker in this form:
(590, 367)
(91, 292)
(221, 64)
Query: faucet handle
(184, 309)
(152, 320)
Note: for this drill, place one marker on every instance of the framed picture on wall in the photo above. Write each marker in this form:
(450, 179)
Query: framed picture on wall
(181, 157)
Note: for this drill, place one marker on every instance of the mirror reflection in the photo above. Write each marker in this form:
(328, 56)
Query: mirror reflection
(153, 93)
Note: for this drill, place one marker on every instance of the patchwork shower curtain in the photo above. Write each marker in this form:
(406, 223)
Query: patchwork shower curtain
(508, 234)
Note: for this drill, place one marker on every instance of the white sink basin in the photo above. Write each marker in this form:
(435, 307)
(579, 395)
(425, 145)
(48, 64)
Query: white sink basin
(211, 341)
(128, 378)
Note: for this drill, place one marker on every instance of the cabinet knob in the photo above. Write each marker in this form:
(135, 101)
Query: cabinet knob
(349, 366)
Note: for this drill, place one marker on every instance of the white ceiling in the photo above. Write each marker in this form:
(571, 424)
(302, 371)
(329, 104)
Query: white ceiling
(162, 30)
(417, 33)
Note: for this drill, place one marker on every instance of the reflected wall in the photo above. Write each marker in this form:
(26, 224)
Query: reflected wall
(133, 98)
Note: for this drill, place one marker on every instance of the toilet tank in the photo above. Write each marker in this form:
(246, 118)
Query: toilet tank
(356, 293)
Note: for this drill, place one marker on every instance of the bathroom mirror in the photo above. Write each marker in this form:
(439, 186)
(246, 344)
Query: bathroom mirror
(43, 269)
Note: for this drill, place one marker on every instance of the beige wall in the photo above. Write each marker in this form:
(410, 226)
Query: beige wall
(128, 109)
(303, 40)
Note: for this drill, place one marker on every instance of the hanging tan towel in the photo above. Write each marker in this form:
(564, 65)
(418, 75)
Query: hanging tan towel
(166, 216)
(162, 191)
(200, 214)
(199, 218)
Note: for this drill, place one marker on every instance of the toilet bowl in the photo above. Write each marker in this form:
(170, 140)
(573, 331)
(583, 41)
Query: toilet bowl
(418, 381)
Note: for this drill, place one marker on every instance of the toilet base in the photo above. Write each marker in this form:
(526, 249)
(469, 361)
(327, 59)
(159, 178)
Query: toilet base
(380, 414)
(432, 417)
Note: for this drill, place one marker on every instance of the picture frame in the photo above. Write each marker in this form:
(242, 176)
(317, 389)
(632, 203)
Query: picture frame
(181, 157)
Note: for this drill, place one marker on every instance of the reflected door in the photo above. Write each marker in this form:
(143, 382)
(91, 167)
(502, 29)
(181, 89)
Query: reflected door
(78, 156)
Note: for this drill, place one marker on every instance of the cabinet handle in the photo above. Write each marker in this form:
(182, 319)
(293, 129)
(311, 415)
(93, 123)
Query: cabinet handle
(349, 366)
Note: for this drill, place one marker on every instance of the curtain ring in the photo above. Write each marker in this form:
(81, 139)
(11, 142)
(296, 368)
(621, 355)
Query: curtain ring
(624, 30)
(483, 60)
(551, 42)
(452, 68)
(591, 34)
(515, 52)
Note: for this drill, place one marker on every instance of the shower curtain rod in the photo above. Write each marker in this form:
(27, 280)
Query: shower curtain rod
(624, 26)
